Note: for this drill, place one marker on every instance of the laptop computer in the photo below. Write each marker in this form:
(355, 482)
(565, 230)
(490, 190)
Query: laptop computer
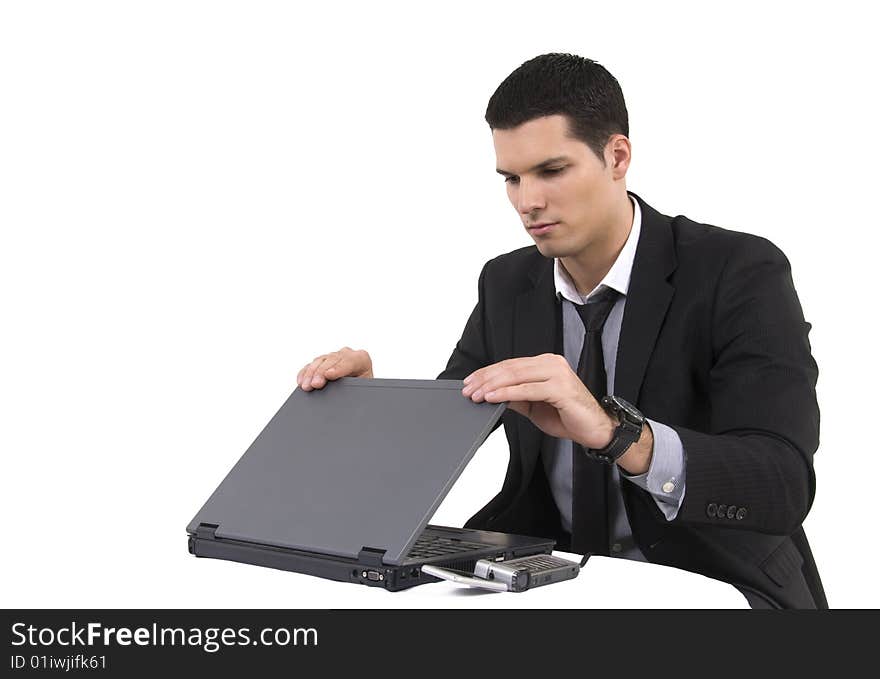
(343, 480)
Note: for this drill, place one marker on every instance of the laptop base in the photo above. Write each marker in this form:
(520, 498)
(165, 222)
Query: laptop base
(369, 568)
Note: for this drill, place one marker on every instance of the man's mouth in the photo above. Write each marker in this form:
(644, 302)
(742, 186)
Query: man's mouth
(541, 228)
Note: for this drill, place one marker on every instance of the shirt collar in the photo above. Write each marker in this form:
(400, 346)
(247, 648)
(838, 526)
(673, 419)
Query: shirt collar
(618, 275)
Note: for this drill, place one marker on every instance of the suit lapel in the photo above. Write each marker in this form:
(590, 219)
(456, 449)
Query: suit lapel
(534, 322)
(647, 302)
(534, 327)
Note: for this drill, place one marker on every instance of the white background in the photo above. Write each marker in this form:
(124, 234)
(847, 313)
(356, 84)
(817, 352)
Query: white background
(198, 197)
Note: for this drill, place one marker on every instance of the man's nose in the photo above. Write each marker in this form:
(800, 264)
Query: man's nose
(528, 197)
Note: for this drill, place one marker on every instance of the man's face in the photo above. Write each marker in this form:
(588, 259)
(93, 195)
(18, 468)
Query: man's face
(557, 180)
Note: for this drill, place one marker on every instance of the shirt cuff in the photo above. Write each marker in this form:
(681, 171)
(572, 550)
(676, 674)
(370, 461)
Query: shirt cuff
(664, 479)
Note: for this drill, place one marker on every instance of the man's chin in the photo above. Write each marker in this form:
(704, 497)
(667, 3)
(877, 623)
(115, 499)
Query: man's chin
(551, 250)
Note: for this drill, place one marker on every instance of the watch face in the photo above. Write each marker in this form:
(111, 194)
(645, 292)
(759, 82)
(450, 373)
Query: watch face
(629, 408)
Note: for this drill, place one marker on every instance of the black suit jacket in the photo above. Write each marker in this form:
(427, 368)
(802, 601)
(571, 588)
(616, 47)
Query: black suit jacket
(714, 344)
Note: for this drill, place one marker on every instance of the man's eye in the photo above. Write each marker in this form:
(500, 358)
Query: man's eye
(548, 171)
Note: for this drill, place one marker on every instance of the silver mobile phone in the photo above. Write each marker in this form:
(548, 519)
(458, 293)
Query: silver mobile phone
(515, 575)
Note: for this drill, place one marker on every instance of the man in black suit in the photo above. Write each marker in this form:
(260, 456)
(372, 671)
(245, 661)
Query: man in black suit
(658, 373)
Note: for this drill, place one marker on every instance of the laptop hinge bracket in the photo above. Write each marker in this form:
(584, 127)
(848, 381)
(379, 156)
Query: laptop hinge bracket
(207, 530)
(370, 556)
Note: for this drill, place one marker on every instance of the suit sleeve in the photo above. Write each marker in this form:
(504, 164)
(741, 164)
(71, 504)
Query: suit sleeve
(470, 351)
(754, 468)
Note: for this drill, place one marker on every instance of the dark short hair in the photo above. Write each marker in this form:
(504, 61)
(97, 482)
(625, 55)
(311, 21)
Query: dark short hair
(567, 84)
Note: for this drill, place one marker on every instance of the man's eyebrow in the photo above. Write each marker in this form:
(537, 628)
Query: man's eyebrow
(539, 166)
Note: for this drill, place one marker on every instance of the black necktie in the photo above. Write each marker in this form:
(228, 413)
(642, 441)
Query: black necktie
(591, 479)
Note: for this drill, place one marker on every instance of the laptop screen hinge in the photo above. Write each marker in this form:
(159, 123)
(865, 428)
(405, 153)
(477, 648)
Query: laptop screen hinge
(207, 530)
(370, 556)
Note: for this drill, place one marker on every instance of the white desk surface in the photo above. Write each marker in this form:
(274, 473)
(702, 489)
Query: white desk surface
(603, 583)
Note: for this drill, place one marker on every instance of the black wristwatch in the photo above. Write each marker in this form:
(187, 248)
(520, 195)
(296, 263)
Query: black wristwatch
(628, 431)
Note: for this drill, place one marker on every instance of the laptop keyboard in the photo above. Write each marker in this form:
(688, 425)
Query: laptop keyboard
(435, 545)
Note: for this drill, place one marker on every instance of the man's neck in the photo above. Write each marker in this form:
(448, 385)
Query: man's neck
(589, 267)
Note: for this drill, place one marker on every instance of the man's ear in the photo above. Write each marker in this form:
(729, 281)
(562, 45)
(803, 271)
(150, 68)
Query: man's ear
(618, 153)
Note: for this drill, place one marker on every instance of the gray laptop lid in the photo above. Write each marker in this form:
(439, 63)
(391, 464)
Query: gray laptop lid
(361, 463)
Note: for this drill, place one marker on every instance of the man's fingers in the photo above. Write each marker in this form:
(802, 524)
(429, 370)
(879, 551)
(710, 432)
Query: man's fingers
(335, 366)
(544, 362)
(530, 391)
(329, 367)
(319, 376)
(515, 371)
(309, 374)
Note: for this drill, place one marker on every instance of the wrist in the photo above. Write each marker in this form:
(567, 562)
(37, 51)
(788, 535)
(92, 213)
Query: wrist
(608, 431)
(637, 459)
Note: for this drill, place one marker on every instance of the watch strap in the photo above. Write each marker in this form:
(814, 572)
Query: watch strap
(626, 433)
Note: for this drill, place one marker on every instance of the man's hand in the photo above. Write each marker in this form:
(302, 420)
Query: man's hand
(346, 362)
(546, 390)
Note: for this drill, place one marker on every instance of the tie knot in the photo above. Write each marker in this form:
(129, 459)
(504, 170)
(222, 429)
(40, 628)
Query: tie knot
(595, 312)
